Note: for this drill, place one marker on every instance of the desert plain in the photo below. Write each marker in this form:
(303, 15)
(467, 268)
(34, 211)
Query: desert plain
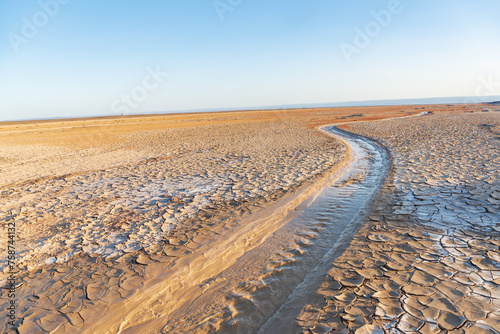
(222, 222)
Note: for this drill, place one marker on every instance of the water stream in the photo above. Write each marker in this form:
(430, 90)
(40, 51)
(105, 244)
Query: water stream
(266, 288)
(347, 203)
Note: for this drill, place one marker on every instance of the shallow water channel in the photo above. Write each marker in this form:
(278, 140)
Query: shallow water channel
(342, 207)
(266, 288)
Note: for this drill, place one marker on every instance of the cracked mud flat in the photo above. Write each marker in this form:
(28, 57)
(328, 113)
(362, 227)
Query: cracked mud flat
(266, 288)
(428, 259)
(115, 211)
(90, 241)
(102, 226)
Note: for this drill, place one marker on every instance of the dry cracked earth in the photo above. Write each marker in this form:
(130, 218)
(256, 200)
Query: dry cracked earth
(90, 239)
(95, 225)
(428, 258)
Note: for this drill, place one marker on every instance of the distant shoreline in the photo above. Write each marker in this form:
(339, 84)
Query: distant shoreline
(326, 105)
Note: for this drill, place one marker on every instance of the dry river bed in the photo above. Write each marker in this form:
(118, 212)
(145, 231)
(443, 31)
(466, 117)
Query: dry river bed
(427, 260)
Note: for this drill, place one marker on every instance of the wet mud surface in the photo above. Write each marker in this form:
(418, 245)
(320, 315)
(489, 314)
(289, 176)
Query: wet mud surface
(427, 259)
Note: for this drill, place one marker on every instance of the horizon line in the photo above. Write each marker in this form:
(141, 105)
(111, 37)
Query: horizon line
(340, 104)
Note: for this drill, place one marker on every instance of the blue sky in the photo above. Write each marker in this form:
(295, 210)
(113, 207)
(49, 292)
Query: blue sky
(110, 57)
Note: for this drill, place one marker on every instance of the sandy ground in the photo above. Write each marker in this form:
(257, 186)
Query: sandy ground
(206, 171)
(102, 207)
(428, 259)
(66, 181)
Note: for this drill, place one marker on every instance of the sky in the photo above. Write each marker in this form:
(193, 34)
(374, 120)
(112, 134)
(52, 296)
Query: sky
(71, 58)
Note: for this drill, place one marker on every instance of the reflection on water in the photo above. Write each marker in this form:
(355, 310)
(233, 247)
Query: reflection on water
(341, 207)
